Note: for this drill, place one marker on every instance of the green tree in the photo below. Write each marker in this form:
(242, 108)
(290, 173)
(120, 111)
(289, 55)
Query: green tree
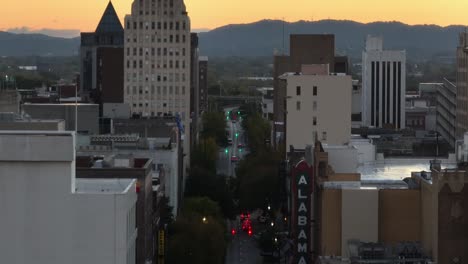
(259, 180)
(205, 154)
(198, 235)
(214, 126)
(203, 182)
(258, 132)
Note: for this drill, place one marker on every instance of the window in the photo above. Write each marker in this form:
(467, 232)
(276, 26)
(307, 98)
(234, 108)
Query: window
(314, 121)
(298, 90)
(298, 105)
(315, 90)
(324, 136)
(314, 106)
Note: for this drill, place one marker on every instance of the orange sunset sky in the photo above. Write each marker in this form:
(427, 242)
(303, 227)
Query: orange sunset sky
(207, 14)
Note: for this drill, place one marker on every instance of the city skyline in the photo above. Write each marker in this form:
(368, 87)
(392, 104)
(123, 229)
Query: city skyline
(65, 18)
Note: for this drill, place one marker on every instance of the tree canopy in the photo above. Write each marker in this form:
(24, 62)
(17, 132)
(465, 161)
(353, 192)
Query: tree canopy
(198, 234)
(214, 126)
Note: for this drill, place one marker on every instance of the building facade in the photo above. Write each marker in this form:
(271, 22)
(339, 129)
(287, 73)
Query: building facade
(50, 216)
(203, 82)
(157, 61)
(312, 109)
(383, 85)
(128, 167)
(462, 86)
(304, 49)
(101, 60)
(88, 115)
(446, 106)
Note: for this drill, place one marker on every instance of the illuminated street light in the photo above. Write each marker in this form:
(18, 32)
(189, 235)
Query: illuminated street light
(272, 224)
(204, 220)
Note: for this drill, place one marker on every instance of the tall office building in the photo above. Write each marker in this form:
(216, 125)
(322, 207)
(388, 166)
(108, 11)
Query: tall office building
(462, 86)
(157, 61)
(383, 85)
(101, 77)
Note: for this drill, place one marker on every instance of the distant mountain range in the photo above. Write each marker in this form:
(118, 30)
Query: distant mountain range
(264, 38)
(12, 44)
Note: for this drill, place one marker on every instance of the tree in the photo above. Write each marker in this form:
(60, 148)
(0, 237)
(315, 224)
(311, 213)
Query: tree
(259, 180)
(258, 132)
(214, 126)
(203, 182)
(205, 154)
(198, 235)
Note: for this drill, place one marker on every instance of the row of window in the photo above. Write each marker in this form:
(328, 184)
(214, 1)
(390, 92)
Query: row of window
(159, 114)
(171, 77)
(161, 5)
(156, 25)
(171, 64)
(314, 92)
(158, 90)
(164, 105)
(172, 39)
(314, 105)
(155, 51)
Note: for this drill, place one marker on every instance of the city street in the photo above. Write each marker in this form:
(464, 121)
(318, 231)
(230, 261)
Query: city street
(243, 248)
(225, 165)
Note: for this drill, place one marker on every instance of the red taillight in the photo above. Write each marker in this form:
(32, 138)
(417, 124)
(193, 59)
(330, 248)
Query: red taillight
(250, 232)
(248, 216)
(233, 231)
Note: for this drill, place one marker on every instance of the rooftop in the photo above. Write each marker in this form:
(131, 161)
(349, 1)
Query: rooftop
(397, 169)
(103, 186)
(110, 22)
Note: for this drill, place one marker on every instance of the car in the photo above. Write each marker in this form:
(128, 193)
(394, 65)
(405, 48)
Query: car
(240, 145)
(234, 159)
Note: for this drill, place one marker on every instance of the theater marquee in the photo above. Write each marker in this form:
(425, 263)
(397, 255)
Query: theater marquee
(302, 183)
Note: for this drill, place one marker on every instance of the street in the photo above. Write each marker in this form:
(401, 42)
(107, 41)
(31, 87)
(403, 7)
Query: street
(243, 248)
(225, 166)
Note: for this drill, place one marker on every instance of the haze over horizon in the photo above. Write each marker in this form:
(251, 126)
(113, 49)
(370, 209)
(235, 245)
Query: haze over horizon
(64, 18)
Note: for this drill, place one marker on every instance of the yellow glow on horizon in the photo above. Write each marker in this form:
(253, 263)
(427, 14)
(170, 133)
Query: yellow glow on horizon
(85, 14)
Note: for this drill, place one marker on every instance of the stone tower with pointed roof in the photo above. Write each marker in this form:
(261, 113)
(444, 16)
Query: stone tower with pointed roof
(101, 60)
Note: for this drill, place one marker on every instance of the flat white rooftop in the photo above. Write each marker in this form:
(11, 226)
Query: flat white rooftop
(103, 186)
(397, 169)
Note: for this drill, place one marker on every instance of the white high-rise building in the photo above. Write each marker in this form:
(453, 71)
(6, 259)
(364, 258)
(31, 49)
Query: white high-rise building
(48, 216)
(383, 85)
(157, 60)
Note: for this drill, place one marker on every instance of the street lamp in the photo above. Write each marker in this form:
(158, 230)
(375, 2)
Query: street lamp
(272, 224)
(204, 220)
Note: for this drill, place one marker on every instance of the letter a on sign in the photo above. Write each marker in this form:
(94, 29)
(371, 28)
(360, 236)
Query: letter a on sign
(302, 208)
(302, 180)
(302, 261)
(302, 235)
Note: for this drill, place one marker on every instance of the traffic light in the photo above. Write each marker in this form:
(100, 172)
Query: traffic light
(237, 135)
(226, 151)
(233, 232)
(238, 112)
